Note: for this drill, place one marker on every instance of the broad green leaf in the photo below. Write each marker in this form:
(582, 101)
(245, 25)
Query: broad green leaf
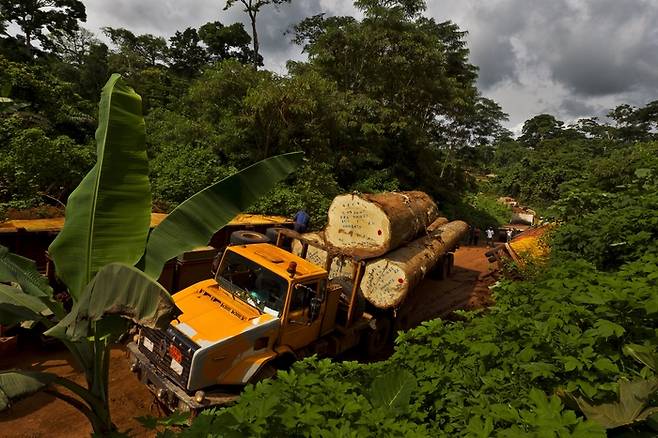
(606, 365)
(392, 391)
(18, 384)
(642, 173)
(632, 405)
(643, 354)
(193, 222)
(16, 306)
(108, 214)
(607, 328)
(117, 291)
(652, 305)
(17, 269)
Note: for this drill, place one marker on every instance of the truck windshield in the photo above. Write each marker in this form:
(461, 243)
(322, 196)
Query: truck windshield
(253, 283)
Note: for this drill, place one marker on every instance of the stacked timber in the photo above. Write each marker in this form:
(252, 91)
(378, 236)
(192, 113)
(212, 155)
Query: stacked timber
(389, 279)
(367, 226)
(399, 237)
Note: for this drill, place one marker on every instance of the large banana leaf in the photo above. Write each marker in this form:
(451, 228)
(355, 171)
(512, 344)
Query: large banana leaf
(23, 271)
(17, 269)
(16, 306)
(108, 214)
(18, 384)
(193, 222)
(117, 291)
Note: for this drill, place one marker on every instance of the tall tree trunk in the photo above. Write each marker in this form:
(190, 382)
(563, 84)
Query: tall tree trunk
(254, 33)
(28, 38)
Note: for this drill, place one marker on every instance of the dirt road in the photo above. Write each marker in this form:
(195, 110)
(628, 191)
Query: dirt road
(45, 416)
(462, 290)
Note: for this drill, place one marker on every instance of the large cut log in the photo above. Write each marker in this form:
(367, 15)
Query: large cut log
(369, 226)
(389, 279)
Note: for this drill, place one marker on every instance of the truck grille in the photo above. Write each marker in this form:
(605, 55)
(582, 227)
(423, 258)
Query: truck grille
(158, 354)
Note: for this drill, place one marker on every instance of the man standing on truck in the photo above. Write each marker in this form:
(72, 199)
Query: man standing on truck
(490, 235)
(301, 221)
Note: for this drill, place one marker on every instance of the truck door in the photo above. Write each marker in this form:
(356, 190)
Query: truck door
(303, 319)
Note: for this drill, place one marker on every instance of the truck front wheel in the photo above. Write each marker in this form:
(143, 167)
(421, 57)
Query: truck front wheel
(267, 371)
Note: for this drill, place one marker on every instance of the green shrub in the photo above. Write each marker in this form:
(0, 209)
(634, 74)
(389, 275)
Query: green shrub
(620, 230)
(33, 164)
(480, 210)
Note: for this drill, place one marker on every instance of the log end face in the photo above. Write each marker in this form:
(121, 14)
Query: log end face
(354, 222)
(384, 284)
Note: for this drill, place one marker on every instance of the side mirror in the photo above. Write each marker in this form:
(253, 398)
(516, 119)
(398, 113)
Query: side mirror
(314, 309)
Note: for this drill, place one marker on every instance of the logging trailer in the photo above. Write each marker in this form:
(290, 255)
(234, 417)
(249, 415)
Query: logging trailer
(265, 308)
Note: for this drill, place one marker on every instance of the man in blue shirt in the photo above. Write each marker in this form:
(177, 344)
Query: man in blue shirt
(301, 221)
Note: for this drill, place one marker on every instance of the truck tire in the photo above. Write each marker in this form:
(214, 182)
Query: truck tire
(378, 338)
(273, 233)
(267, 371)
(245, 237)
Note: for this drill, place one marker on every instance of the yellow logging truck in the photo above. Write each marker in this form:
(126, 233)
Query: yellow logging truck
(265, 308)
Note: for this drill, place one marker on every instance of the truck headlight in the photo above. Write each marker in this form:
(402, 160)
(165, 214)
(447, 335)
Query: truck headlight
(163, 394)
(199, 396)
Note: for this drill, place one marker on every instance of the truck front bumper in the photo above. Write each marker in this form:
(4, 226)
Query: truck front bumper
(169, 394)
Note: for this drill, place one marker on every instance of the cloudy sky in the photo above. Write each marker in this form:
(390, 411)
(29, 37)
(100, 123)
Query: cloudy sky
(570, 58)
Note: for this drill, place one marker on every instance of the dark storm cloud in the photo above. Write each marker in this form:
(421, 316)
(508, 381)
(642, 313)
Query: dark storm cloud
(612, 47)
(593, 47)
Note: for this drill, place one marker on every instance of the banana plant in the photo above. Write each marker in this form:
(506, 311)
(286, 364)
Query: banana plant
(107, 259)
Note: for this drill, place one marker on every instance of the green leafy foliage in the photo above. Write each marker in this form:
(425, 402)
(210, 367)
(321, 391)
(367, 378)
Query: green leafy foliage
(312, 189)
(632, 406)
(183, 158)
(481, 210)
(620, 230)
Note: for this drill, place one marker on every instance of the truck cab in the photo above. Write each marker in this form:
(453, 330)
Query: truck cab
(264, 307)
